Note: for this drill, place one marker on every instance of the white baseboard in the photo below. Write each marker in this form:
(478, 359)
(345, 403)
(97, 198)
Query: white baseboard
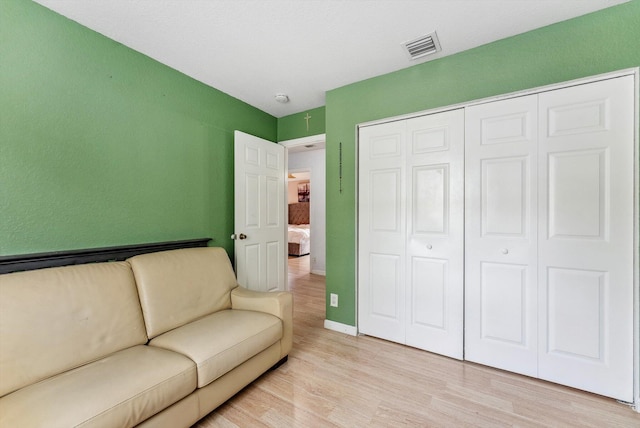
(319, 272)
(341, 328)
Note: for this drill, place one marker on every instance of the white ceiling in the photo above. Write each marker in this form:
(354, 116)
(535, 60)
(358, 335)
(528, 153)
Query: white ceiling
(253, 49)
(307, 147)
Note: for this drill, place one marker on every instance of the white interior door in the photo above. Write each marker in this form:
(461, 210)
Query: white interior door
(549, 236)
(382, 231)
(500, 234)
(410, 232)
(549, 217)
(586, 237)
(259, 221)
(435, 233)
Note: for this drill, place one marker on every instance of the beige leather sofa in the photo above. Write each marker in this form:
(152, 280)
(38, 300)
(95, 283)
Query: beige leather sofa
(159, 340)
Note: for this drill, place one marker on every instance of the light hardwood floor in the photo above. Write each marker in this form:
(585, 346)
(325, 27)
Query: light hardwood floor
(335, 380)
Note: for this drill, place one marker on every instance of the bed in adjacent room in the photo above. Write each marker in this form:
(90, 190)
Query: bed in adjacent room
(299, 235)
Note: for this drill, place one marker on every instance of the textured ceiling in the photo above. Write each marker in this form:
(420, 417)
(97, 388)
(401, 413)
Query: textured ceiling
(253, 49)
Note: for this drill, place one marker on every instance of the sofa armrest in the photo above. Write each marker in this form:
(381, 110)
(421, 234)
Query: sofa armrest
(279, 304)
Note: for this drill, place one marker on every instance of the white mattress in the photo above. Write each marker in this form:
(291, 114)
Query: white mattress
(300, 234)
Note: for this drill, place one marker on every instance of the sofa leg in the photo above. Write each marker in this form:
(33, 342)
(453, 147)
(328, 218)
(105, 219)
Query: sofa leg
(279, 363)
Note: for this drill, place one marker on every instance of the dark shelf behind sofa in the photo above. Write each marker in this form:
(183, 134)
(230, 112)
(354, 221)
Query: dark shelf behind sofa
(24, 262)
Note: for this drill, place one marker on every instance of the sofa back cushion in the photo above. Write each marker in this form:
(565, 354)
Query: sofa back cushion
(53, 320)
(179, 286)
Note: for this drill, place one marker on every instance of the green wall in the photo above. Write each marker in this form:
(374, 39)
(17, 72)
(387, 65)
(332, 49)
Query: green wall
(101, 145)
(597, 43)
(295, 125)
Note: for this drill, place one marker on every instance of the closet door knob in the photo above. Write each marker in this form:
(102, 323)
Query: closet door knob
(504, 251)
(429, 246)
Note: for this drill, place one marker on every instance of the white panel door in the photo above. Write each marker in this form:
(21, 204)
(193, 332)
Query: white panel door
(410, 232)
(260, 222)
(382, 231)
(435, 233)
(501, 234)
(586, 237)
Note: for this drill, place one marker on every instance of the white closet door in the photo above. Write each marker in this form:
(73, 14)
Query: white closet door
(500, 234)
(435, 233)
(382, 231)
(410, 232)
(586, 237)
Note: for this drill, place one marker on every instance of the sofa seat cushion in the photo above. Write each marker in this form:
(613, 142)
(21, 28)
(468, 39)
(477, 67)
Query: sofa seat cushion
(222, 341)
(120, 390)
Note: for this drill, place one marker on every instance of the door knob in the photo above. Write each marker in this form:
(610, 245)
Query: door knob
(504, 251)
(429, 246)
(240, 236)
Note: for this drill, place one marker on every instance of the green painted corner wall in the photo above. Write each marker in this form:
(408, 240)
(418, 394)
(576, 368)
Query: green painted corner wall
(600, 42)
(295, 125)
(101, 145)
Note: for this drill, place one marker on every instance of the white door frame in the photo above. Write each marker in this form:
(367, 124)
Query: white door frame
(304, 141)
(636, 256)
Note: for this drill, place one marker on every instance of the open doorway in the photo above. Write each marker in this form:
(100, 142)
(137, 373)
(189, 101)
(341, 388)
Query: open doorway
(306, 197)
(299, 217)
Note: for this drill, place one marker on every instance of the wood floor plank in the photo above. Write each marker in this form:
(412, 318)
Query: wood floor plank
(336, 380)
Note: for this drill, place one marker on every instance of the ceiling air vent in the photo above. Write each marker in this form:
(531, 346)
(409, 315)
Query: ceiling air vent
(422, 46)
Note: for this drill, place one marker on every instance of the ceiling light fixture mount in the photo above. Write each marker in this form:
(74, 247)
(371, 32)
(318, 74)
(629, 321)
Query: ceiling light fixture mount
(282, 98)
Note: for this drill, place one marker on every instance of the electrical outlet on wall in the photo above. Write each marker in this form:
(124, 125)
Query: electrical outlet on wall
(334, 300)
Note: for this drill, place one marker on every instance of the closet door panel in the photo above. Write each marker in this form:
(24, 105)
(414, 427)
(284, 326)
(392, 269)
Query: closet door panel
(384, 195)
(382, 231)
(500, 234)
(503, 303)
(385, 277)
(504, 197)
(578, 202)
(435, 234)
(586, 237)
(428, 294)
(430, 196)
(577, 329)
